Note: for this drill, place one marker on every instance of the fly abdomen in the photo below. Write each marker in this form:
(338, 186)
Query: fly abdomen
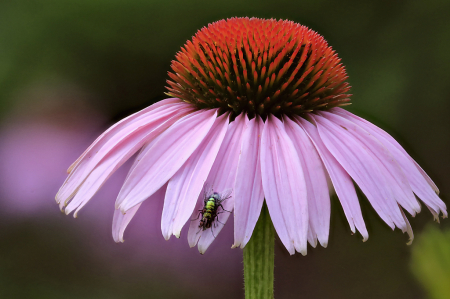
(207, 215)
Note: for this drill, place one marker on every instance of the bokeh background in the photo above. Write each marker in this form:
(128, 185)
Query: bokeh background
(69, 69)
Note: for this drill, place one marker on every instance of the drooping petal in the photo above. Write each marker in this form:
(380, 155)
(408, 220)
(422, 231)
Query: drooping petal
(420, 183)
(340, 179)
(114, 153)
(121, 221)
(167, 154)
(400, 187)
(248, 191)
(221, 178)
(312, 237)
(186, 185)
(381, 133)
(284, 186)
(363, 168)
(121, 125)
(319, 206)
(408, 230)
(434, 213)
(136, 124)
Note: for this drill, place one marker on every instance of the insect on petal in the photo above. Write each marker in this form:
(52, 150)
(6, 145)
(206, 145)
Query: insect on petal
(186, 185)
(221, 178)
(169, 152)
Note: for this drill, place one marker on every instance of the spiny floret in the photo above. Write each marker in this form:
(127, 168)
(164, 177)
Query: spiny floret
(259, 67)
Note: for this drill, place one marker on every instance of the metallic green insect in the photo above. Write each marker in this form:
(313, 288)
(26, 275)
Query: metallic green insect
(210, 212)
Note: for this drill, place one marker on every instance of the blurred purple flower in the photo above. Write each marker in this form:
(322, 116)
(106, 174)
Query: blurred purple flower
(45, 131)
(35, 151)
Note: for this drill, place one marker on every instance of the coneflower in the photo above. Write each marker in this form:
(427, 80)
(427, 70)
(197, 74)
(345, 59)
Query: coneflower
(255, 112)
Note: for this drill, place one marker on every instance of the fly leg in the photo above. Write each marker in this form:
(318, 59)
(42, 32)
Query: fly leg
(220, 205)
(200, 213)
(213, 231)
(217, 218)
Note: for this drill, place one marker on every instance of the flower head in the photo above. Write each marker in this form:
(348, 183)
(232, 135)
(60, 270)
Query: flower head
(255, 110)
(260, 67)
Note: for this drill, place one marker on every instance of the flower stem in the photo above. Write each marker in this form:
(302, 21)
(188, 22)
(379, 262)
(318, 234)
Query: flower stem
(259, 259)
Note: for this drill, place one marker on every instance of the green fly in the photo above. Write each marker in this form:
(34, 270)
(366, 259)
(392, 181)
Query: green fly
(210, 211)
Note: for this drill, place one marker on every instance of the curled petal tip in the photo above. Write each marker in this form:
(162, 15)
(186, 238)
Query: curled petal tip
(365, 236)
(411, 235)
(234, 246)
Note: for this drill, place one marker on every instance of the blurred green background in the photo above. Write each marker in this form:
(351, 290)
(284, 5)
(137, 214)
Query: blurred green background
(68, 69)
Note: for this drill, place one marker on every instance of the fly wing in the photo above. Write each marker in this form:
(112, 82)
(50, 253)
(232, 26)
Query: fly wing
(207, 192)
(225, 194)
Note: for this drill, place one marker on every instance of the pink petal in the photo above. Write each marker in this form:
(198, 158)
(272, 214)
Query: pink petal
(387, 137)
(114, 153)
(221, 178)
(118, 133)
(167, 154)
(312, 237)
(284, 186)
(186, 185)
(319, 207)
(342, 182)
(248, 191)
(89, 159)
(121, 221)
(408, 228)
(434, 213)
(420, 183)
(363, 167)
(119, 126)
(401, 189)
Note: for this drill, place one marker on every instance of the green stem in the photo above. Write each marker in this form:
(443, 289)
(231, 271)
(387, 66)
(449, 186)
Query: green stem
(259, 259)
